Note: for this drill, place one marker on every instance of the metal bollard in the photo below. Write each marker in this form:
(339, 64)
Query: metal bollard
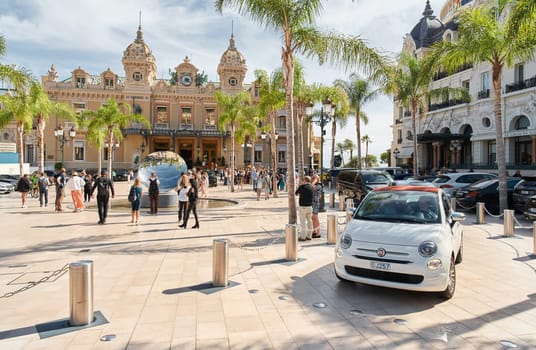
(349, 213)
(509, 228)
(291, 242)
(342, 202)
(332, 228)
(220, 262)
(81, 293)
(332, 200)
(453, 204)
(534, 238)
(480, 213)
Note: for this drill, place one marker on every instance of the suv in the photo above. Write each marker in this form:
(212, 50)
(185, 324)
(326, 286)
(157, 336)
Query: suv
(356, 184)
(397, 173)
(522, 192)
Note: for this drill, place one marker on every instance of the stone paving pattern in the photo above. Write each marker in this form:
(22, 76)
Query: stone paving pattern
(152, 283)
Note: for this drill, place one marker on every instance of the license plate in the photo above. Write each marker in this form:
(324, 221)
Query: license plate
(524, 192)
(532, 210)
(380, 265)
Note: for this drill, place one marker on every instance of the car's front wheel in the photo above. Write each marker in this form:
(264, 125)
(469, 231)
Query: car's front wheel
(451, 285)
(339, 277)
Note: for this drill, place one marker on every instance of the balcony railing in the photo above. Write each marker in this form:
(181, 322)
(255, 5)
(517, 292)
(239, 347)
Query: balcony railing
(521, 85)
(449, 103)
(443, 74)
(483, 94)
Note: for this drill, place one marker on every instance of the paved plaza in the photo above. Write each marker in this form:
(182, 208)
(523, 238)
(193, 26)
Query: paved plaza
(153, 290)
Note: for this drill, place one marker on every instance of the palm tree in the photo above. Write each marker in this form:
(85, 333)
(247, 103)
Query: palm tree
(302, 93)
(19, 78)
(294, 19)
(272, 99)
(486, 36)
(341, 148)
(359, 92)
(111, 118)
(366, 139)
(349, 145)
(42, 107)
(234, 111)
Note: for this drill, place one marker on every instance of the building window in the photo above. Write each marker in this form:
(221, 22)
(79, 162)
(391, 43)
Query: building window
(108, 83)
(79, 150)
(281, 122)
(210, 118)
(466, 84)
(137, 76)
(492, 152)
(519, 73)
(79, 108)
(161, 117)
(258, 156)
(186, 116)
(484, 78)
(399, 139)
(281, 156)
(80, 82)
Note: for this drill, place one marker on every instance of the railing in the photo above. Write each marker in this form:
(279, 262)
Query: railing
(449, 103)
(443, 74)
(483, 94)
(521, 85)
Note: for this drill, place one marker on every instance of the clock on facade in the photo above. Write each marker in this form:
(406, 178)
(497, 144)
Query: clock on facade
(136, 76)
(233, 81)
(186, 79)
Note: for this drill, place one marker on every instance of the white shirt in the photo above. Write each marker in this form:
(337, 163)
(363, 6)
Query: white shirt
(75, 183)
(183, 194)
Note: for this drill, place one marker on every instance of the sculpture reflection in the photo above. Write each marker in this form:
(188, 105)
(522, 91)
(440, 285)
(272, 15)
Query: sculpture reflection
(167, 165)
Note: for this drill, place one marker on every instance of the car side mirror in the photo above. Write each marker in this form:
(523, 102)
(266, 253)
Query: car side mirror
(457, 216)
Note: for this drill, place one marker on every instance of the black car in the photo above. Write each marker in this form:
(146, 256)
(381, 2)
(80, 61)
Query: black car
(487, 192)
(522, 191)
(356, 184)
(121, 175)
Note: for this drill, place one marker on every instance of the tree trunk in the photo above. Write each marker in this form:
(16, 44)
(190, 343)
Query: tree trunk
(501, 161)
(109, 152)
(299, 120)
(358, 133)
(288, 73)
(40, 137)
(414, 131)
(231, 175)
(20, 134)
(273, 164)
(333, 133)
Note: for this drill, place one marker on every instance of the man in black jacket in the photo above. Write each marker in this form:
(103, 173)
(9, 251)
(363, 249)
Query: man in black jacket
(103, 185)
(305, 210)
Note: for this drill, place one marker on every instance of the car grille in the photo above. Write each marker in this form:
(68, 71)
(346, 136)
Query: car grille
(383, 259)
(384, 275)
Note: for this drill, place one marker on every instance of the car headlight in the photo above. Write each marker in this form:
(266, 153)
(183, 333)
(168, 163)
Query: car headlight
(346, 241)
(427, 249)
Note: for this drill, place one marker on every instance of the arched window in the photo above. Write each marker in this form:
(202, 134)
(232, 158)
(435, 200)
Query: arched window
(522, 123)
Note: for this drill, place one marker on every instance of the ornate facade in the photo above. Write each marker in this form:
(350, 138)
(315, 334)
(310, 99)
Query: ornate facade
(182, 112)
(459, 134)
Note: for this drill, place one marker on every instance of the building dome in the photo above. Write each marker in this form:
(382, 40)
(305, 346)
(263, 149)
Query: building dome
(232, 57)
(429, 30)
(138, 50)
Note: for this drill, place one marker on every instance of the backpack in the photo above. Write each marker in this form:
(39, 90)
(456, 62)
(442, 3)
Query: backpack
(153, 186)
(42, 183)
(102, 187)
(132, 194)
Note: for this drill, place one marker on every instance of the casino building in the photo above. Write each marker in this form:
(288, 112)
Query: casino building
(183, 115)
(458, 134)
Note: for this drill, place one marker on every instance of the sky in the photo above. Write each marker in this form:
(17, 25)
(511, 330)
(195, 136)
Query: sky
(93, 34)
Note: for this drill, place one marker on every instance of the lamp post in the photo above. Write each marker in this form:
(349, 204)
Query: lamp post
(396, 152)
(325, 117)
(59, 133)
(114, 146)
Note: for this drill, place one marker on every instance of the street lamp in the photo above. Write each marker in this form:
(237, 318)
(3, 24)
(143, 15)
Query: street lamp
(263, 137)
(322, 120)
(114, 146)
(396, 152)
(58, 132)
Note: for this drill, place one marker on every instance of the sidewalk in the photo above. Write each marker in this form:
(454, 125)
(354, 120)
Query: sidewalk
(152, 285)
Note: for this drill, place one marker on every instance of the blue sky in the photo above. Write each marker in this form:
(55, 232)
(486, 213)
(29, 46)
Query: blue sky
(94, 33)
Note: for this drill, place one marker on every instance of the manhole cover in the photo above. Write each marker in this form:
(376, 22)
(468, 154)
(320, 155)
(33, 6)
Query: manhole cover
(356, 312)
(507, 344)
(400, 321)
(319, 305)
(253, 291)
(283, 297)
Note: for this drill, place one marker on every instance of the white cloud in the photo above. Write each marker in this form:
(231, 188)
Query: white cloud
(94, 33)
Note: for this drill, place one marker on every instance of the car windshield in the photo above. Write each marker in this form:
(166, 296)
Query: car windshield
(376, 179)
(441, 179)
(419, 207)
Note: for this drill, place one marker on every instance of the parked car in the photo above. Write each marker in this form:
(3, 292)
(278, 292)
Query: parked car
(12, 179)
(530, 208)
(522, 192)
(404, 237)
(397, 173)
(451, 181)
(487, 192)
(356, 184)
(6, 187)
(121, 174)
(333, 174)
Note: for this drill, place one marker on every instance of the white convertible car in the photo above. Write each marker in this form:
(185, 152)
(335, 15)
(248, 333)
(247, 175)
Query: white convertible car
(404, 237)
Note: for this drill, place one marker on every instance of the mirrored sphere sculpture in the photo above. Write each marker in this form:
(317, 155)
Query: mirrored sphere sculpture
(168, 166)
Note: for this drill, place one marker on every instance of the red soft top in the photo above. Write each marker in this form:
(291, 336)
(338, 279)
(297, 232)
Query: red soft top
(408, 188)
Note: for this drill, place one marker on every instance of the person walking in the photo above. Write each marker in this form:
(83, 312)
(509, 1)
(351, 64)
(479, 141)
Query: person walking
(42, 185)
(76, 186)
(136, 203)
(192, 204)
(305, 192)
(254, 178)
(182, 191)
(266, 185)
(154, 191)
(103, 185)
(316, 205)
(60, 187)
(23, 186)
(88, 187)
